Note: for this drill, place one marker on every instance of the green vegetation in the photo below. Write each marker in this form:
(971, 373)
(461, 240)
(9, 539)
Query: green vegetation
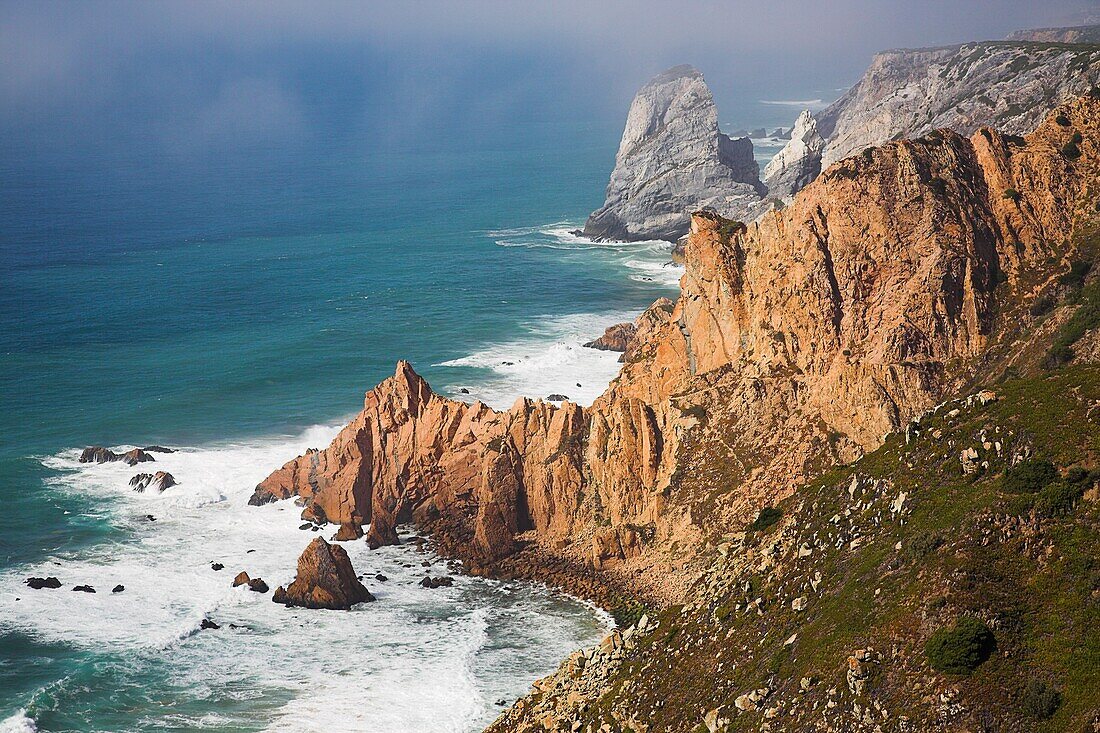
(1011, 193)
(1039, 700)
(768, 516)
(1062, 120)
(627, 613)
(1084, 319)
(1070, 151)
(1029, 477)
(960, 649)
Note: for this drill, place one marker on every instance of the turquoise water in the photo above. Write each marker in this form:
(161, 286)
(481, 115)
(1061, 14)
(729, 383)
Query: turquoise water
(237, 308)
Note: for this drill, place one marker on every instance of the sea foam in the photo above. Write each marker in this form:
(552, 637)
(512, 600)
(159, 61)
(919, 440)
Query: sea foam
(416, 660)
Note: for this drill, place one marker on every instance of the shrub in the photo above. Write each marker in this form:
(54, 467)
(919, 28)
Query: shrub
(1057, 499)
(1070, 151)
(628, 613)
(1062, 120)
(1075, 278)
(768, 516)
(960, 649)
(1076, 138)
(922, 544)
(1040, 700)
(1043, 304)
(1059, 355)
(1011, 193)
(1028, 477)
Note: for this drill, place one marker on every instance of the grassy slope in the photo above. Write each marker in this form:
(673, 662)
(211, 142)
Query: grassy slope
(1035, 582)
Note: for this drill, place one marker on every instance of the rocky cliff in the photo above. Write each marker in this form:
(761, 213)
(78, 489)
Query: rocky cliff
(1008, 85)
(1071, 34)
(799, 162)
(797, 341)
(673, 160)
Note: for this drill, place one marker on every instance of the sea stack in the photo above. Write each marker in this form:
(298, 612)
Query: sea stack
(799, 162)
(673, 160)
(325, 579)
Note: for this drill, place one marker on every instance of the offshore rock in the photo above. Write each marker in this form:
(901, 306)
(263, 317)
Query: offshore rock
(325, 579)
(158, 481)
(799, 162)
(672, 159)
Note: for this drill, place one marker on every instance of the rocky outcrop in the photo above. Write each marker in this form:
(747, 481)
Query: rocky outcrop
(798, 340)
(672, 160)
(615, 338)
(158, 481)
(325, 579)
(132, 457)
(799, 162)
(910, 92)
(1071, 34)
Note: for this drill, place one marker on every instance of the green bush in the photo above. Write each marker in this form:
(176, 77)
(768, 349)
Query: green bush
(1057, 499)
(1040, 700)
(628, 613)
(1011, 193)
(1028, 477)
(922, 544)
(1062, 120)
(768, 516)
(1070, 151)
(960, 649)
(1075, 278)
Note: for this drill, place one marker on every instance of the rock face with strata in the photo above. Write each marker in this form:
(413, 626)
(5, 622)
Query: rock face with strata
(799, 339)
(799, 162)
(672, 160)
(910, 92)
(325, 579)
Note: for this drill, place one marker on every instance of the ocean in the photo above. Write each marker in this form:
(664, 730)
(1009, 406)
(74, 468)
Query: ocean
(235, 307)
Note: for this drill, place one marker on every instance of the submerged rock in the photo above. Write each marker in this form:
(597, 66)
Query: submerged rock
(325, 579)
(158, 449)
(208, 624)
(84, 588)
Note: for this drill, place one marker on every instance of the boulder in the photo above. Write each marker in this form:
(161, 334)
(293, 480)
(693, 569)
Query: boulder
(440, 582)
(158, 481)
(84, 588)
(615, 338)
(40, 583)
(118, 588)
(348, 531)
(241, 579)
(98, 454)
(325, 579)
(216, 566)
(258, 585)
(158, 449)
(557, 397)
(135, 456)
(208, 624)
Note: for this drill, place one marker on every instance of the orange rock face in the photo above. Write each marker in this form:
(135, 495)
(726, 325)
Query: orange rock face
(325, 579)
(797, 341)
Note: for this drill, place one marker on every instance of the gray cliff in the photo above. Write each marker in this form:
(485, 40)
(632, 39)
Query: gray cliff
(799, 162)
(672, 160)
(1009, 85)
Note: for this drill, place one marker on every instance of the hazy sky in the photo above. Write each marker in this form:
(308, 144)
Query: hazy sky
(196, 76)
